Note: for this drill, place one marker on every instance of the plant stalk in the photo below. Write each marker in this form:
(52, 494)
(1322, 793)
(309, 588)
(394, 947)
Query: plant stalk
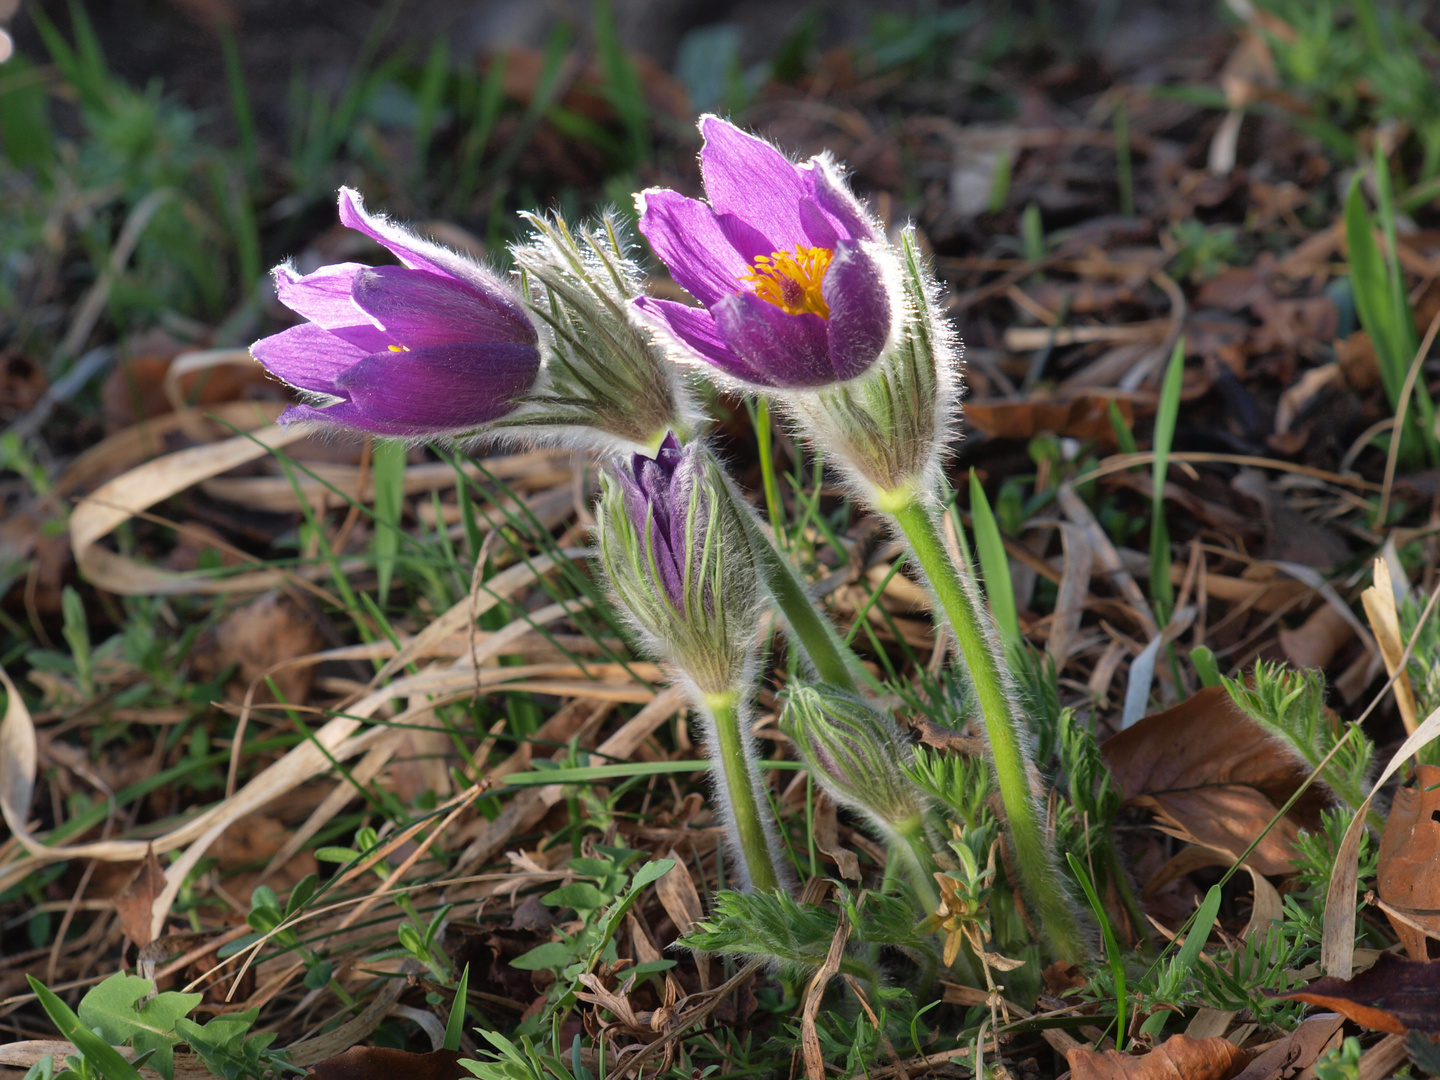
(1040, 880)
(741, 792)
(815, 633)
(912, 848)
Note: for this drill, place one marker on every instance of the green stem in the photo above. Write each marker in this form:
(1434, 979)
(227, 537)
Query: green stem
(815, 633)
(774, 508)
(1036, 862)
(740, 789)
(913, 850)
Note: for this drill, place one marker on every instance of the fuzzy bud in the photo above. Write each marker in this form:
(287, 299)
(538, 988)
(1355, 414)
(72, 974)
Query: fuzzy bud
(678, 556)
(888, 428)
(603, 373)
(857, 754)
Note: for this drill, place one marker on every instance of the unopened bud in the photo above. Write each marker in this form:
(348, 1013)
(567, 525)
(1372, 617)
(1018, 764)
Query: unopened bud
(857, 754)
(678, 556)
(604, 375)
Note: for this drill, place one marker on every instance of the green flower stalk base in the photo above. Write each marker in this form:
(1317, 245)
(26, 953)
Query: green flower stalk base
(1041, 881)
(815, 634)
(912, 848)
(739, 789)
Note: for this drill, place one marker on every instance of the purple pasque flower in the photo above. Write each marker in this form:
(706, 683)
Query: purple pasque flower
(783, 258)
(676, 550)
(435, 346)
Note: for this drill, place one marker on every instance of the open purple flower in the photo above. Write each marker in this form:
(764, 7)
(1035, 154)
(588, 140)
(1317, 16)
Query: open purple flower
(436, 346)
(784, 260)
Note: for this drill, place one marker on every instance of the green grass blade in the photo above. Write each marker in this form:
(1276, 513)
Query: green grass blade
(388, 464)
(456, 1025)
(994, 565)
(1370, 285)
(1112, 948)
(1205, 666)
(1189, 954)
(1162, 589)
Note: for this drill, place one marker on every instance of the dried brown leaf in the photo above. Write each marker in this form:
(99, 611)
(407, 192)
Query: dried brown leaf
(1180, 1058)
(1314, 643)
(1085, 416)
(1396, 995)
(1409, 868)
(1213, 771)
(136, 902)
(1297, 1051)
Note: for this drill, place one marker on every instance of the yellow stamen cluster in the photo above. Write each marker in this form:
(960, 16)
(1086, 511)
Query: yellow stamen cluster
(792, 282)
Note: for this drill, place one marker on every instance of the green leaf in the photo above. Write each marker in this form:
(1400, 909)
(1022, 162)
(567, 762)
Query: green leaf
(341, 855)
(579, 895)
(552, 956)
(110, 1009)
(650, 967)
(994, 565)
(300, 895)
(91, 1046)
(651, 872)
(456, 1025)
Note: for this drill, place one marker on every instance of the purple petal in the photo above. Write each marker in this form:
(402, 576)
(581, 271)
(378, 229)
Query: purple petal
(420, 254)
(416, 308)
(636, 505)
(308, 356)
(830, 194)
(443, 387)
(686, 237)
(748, 177)
(777, 348)
(860, 315)
(322, 297)
(818, 226)
(692, 327)
(434, 390)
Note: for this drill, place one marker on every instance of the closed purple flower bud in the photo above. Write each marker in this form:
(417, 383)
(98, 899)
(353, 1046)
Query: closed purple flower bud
(678, 556)
(791, 272)
(437, 346)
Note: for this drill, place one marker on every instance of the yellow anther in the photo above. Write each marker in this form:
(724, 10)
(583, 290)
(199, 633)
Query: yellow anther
(399, 348)
(792, 281)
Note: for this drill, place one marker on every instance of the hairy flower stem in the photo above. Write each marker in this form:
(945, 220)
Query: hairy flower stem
(741, 791)
(1041, 883)
(815, 633)
(912, 848)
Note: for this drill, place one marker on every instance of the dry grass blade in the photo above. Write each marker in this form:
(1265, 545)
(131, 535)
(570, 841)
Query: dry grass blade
(1379, 602)
(1337, 946)
(814, 993)
(121, 499)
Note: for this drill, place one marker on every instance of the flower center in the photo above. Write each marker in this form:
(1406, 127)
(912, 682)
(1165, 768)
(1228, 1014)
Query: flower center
(792, 282)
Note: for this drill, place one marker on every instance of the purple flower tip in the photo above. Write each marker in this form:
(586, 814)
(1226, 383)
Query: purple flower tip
(435, 346)
(782, 257)
(657, 500)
